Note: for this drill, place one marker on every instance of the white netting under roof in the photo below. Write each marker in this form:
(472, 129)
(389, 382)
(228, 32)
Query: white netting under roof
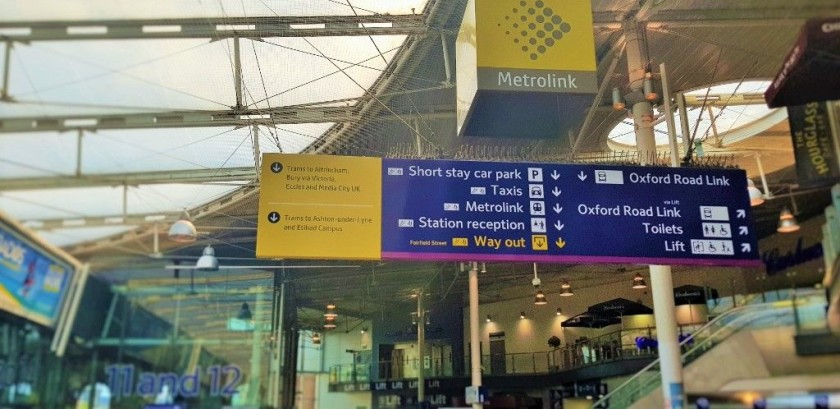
(83, 77)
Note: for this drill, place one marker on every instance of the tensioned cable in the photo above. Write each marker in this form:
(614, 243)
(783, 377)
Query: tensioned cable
(101, 106)
(31, 83)
(33, 167)
(45, 206)
(134, 77)
(399, 82)
(352, 64)
(157, 153)
(219, 169)
(372, 96)
(116, 70)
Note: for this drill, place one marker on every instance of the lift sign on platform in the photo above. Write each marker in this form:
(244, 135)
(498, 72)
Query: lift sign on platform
(494, 211)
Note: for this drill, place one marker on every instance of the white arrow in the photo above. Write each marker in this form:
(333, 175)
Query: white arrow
(741, 214)
(557, 208)
(582, 176)
(559, 226)
(555, 175)
(746, 248)
(556, 192)
(743, 230)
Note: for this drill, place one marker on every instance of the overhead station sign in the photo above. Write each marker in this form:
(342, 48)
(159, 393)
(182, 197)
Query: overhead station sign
(490, 211)
(521, 64)
(314, 206)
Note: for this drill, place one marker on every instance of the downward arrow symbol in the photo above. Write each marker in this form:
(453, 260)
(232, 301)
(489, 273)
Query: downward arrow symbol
(555, 175)
(559, 226)
(560, 243)
(741, 214)
(582, 176)
(556, 192)
(746, 248)
(743, 230)
(557, 208)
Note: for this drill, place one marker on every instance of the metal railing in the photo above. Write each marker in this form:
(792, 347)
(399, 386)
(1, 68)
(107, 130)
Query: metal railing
(803, 311)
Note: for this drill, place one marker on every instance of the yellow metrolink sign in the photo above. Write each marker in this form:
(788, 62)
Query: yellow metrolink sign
(521, 47)
(320, 207)
(536, 45)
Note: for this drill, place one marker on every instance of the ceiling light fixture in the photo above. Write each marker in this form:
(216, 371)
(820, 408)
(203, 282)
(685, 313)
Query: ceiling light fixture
(787, 223)
(647, 86)
(756, 196)
(617, 100)
(566, 289)
(559, 311)
(539, 298)
(522, 315)
(244, 312)
(208, 260)
(330, 313)
(489, 318)
(316, 338)
(639, 282)
(183, 231)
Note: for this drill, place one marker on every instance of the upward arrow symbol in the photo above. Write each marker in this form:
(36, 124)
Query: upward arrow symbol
(743, 230)
(582, 176)
(746, 248)
(555, 175)
(557, 208)
(556, 192)
(741, 214)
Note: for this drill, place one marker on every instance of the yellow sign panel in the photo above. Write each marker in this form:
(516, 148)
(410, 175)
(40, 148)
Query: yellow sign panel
(535, 34)
(539, 242)
(319, 206)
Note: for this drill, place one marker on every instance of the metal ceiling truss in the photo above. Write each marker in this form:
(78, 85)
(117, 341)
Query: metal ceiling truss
(146, 231)
(236, 118)
(214, 28)
(189, 176)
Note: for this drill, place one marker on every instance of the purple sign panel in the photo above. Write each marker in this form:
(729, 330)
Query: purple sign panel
(495, 211)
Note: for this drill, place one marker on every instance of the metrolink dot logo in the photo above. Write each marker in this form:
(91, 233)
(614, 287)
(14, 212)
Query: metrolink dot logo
(534, 27)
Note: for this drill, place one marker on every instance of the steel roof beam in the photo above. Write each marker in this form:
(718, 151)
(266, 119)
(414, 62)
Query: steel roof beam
(213, 28)
(190, 176)
(197, 119)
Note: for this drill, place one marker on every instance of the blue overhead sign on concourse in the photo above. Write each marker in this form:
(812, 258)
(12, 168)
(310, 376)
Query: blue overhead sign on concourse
(492, 211)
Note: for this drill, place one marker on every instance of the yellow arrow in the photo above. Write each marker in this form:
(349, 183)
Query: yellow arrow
(560, 243)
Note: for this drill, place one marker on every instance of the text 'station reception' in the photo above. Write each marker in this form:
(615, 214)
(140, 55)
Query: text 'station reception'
(492, 211)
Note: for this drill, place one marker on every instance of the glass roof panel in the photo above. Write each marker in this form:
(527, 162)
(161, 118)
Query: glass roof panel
(32, 10)
(133, 150)
(56, 155)
(132, 75)
(108, 201)
(70, 236)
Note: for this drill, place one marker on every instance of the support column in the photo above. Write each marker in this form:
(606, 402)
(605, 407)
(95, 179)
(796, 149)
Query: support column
(475, 341)
(662, 285)
(237, 72)
(256, 353)
(4, 91)
(670, 361)
(421, 347)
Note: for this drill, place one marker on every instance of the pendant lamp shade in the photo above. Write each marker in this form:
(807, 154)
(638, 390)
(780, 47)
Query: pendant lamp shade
(208, 260)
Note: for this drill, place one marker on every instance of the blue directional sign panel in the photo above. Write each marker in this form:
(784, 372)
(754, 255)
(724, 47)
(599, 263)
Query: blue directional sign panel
(491, 211)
